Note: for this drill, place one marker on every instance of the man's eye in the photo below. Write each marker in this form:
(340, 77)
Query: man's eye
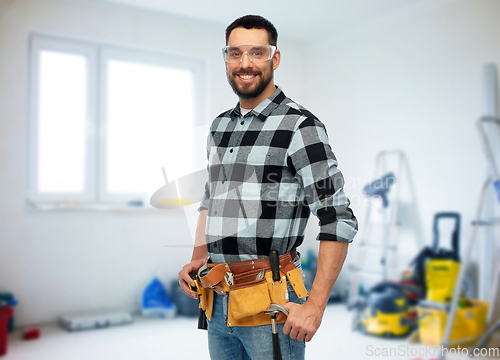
(234, 54)
(257, 53)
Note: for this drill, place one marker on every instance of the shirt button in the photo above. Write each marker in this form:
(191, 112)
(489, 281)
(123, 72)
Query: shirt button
(215, 212)
(242, 123)
(231, 150)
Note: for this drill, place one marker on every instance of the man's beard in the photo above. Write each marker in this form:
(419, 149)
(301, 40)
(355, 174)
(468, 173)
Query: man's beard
(244, 93)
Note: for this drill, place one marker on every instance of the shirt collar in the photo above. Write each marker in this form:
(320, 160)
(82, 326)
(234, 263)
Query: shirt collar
(265, 108)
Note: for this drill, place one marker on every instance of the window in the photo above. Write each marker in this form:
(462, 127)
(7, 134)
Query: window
(104, 120)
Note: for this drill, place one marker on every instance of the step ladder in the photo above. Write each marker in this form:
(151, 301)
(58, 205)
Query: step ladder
(485, 222)
(489, 198)
(380, 229)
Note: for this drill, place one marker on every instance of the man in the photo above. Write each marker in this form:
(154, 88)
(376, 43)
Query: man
(270, 165)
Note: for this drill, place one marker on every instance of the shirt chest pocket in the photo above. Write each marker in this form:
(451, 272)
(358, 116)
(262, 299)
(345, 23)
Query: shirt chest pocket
(264, 155)
(257, 156)
(272, 171)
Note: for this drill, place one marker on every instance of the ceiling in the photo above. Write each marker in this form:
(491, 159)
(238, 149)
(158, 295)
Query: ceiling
(299, 19)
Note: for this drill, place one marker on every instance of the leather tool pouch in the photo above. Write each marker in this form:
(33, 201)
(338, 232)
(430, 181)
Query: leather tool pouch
(295, 278)
(248, 297)
(248, 300)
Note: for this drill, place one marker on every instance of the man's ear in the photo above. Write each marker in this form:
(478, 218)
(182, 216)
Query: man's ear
(276, 59)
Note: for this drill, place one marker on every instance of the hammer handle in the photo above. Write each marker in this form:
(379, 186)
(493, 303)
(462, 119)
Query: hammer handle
(276, 347)
(276, 339)
(274, 260)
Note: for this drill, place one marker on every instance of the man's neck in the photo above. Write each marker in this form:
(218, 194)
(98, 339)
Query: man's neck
(253, 102)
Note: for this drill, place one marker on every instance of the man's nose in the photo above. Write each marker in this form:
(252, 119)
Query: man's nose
(245, 61)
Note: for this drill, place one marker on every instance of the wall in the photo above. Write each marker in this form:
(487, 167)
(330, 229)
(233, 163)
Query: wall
(412, 81)
(63, 262)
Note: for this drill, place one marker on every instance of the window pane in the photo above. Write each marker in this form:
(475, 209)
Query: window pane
(61, 122)
(149, 122)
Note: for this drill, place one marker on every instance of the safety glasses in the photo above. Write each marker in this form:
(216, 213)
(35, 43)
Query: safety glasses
(256, 52)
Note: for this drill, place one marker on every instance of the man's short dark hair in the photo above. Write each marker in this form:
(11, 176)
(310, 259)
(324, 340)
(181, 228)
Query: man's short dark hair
(254, 22)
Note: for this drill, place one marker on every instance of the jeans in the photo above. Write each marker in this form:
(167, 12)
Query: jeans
(248, 342)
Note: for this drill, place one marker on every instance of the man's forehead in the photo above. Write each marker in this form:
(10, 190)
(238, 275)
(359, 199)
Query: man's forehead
(248, 36)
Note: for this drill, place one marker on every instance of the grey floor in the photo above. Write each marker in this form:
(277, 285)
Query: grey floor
(178, 338)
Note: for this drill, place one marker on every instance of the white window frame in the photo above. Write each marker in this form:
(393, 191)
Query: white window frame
(38, 44)
(97, 55)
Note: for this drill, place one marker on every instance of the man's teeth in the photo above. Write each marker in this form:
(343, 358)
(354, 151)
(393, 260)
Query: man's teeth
(247, 77)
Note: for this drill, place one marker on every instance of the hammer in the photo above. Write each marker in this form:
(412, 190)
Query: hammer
(273, 311)
(275, 308)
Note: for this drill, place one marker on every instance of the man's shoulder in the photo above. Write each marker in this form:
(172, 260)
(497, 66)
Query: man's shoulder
(224, 116)
(301, 115)
(295, 108)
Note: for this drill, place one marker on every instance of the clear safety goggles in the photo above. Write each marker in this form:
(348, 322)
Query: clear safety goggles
(256, 52)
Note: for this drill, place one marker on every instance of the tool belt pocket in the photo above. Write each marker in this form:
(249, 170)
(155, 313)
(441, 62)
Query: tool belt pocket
(295, 278)
(203, 298)
(249, 298)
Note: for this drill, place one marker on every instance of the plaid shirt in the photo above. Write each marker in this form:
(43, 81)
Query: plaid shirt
(267, 171)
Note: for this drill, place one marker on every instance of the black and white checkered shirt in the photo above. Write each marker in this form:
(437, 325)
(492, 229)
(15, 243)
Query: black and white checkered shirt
(267, 171)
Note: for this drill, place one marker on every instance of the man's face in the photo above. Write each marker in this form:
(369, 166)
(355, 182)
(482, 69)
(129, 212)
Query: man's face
(249, 79)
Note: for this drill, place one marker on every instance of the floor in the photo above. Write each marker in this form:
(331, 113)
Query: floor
(178, 338)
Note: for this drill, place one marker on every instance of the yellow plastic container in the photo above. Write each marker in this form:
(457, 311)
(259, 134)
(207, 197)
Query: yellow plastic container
(440, 278)
(468, 326)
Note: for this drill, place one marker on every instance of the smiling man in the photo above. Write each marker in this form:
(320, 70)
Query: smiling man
(270, 165)
(251, 79)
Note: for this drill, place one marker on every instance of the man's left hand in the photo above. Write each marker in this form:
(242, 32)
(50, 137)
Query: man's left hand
(303, 320)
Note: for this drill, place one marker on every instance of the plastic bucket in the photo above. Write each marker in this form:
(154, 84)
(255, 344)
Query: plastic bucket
(5, 314)
(468, 326)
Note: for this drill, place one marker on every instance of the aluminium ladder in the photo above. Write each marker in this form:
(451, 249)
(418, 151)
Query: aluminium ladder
(381, 211)
(480, 222)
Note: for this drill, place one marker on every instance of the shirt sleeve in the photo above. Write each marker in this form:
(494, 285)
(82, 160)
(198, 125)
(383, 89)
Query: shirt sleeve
(311, 158)
(206, 194)
(205, 199)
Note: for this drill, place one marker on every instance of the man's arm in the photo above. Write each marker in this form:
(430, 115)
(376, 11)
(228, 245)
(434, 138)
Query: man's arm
(316, 168)
(200, 246)
(304, 320)
(200, 255)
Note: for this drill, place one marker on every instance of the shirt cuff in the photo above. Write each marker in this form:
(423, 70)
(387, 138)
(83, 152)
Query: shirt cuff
(341, 230)
(203, 204)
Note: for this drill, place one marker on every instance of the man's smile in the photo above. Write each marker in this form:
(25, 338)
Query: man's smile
(247, 77)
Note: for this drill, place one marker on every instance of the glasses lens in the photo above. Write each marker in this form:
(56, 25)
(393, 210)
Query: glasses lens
(259, 53)
(256, 53)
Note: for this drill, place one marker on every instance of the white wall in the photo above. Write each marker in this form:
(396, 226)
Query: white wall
(412, 82)
(64, 262)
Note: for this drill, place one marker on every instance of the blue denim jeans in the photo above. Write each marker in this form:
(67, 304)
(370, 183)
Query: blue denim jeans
(248, 342)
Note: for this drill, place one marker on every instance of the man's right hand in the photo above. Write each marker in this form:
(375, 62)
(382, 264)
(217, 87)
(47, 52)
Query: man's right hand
(185, 279)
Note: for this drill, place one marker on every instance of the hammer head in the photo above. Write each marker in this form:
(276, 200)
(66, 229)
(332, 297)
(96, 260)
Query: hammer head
(276, 308)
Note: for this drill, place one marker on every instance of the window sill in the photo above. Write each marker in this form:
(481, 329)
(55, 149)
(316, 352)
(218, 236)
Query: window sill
(96, 207)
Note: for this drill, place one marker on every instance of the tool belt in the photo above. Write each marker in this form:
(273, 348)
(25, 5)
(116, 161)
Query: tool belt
(250, 287)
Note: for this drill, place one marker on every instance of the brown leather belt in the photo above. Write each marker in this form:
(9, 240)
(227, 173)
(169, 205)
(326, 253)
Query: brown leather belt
(216, 277)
